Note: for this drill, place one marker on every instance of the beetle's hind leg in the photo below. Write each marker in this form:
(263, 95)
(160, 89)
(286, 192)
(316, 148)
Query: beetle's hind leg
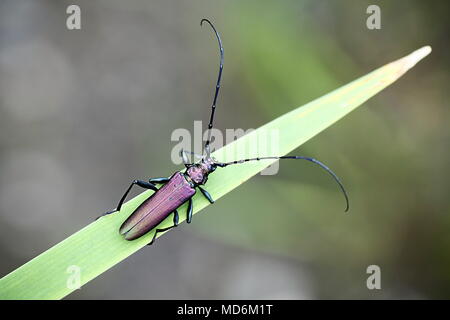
(140, 183)
(176, 218)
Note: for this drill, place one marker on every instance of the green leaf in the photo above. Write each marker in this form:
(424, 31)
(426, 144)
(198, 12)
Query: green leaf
(99, 246)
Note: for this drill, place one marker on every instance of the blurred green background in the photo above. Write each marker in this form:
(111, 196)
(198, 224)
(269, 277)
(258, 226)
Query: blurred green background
(84, 112)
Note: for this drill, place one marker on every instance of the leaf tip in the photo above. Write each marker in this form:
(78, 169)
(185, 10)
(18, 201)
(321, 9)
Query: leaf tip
(412, 59)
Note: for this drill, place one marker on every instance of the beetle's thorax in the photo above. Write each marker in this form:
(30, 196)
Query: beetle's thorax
(199, 172)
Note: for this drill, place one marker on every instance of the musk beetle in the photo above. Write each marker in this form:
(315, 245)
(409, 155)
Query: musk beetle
(181, 186)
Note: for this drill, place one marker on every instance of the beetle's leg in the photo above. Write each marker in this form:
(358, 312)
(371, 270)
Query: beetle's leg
(175, 223)
(159, 180)
(206, 194)
(176, 218)
(140, 183)
(156, 232)
(189, 211)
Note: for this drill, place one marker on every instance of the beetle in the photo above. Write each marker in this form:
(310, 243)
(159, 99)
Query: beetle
(182, 186)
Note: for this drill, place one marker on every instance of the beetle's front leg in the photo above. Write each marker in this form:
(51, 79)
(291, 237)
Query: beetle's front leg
(140, 183)
(206, 194)
(186, 161)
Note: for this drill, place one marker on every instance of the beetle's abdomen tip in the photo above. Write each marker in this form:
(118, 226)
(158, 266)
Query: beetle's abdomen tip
(129, 237)
(123, 229)
(128, 233)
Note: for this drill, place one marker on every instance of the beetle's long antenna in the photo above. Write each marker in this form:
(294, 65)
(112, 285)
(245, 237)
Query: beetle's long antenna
(335, 177)
(213, 107)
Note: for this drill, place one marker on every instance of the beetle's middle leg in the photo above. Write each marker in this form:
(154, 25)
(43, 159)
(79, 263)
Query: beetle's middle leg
(158, 180)
(206, 194)
(140, 183)
(189, 211)
(175, 223)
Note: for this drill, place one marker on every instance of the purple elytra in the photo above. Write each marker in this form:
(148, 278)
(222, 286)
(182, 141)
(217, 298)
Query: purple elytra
(156, 208)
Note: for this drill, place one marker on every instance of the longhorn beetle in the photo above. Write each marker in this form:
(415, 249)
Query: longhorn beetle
(181, 186)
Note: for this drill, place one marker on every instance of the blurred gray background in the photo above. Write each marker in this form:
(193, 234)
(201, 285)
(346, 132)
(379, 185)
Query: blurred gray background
(84, 112)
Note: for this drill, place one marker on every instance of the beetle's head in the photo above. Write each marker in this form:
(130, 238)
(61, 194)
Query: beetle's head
(199, 171)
